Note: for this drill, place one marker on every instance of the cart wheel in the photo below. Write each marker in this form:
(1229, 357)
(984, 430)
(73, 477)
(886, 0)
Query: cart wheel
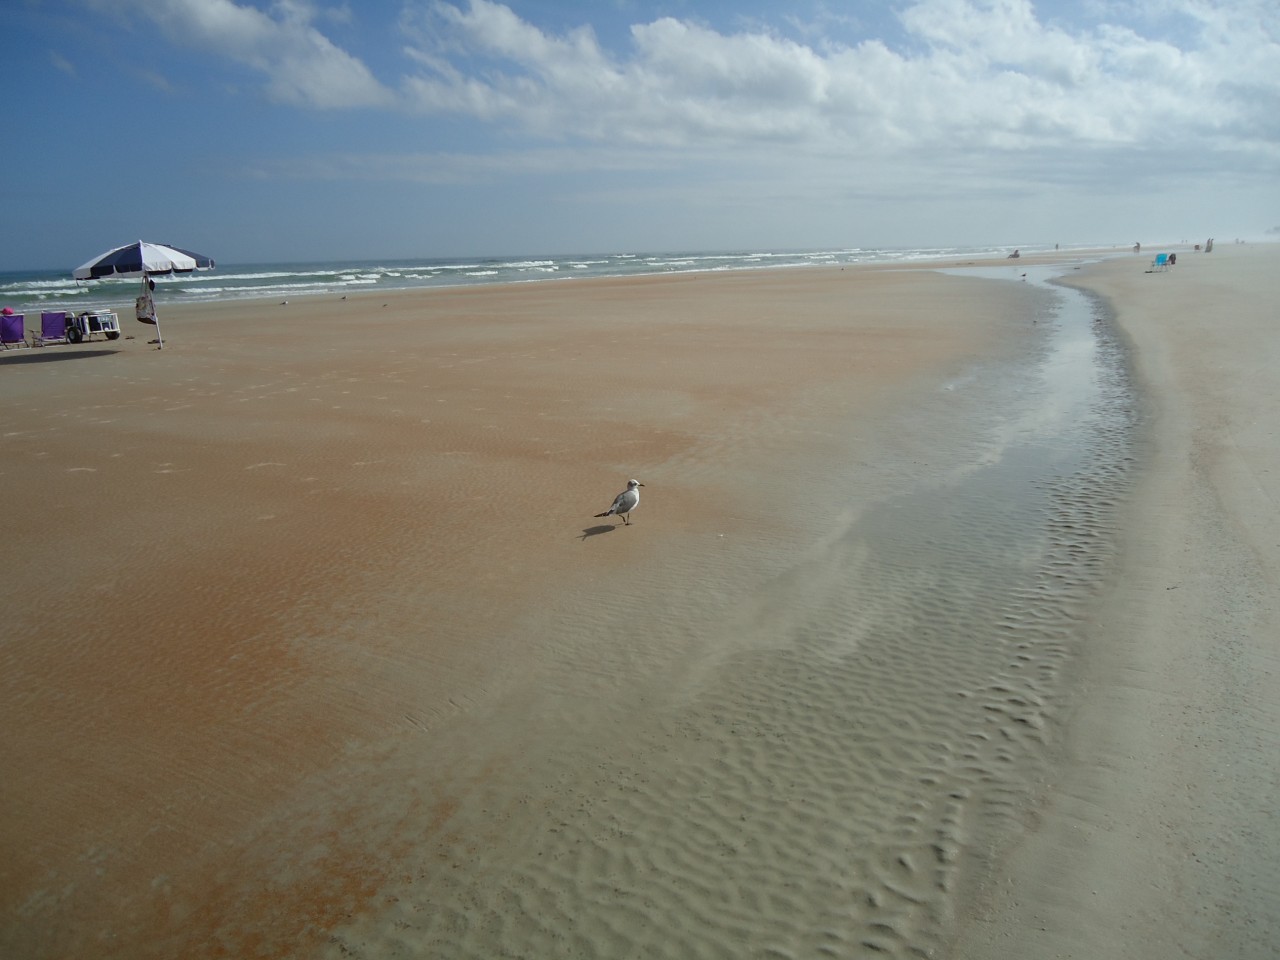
(75, 334)
(113, 334)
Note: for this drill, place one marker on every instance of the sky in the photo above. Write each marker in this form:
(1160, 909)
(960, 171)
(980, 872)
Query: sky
(297, 130)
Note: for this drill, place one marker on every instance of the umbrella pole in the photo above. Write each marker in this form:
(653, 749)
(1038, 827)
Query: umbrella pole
(155, 314)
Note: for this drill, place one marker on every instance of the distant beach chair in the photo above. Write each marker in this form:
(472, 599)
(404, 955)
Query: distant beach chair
(13, 330)
(53, 328)
(1161, 262)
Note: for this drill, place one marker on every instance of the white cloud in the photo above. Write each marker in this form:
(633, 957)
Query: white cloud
(972, 75)
(993, 101)
(302, 66)
(979, 75)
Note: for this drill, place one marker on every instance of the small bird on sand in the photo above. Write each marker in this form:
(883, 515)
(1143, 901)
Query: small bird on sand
(625, 502)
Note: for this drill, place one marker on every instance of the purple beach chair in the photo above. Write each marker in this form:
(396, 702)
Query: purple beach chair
(53, 328)
(13, 332)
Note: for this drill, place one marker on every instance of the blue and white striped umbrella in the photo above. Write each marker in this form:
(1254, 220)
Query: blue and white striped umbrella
(142, 257)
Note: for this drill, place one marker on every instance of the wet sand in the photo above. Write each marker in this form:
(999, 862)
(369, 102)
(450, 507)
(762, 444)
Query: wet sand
(1157, 836)
(315, 649)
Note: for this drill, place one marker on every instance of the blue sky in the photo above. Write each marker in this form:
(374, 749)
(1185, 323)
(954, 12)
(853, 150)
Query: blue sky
(257, 130)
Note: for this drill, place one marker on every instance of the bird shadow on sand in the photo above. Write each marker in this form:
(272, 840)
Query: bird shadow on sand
(597, 530)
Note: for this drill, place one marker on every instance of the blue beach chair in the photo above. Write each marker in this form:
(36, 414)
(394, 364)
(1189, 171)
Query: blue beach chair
(13, 332)
(53, 328)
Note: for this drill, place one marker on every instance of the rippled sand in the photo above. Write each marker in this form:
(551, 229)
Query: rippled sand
(317, 650)
(1156, 835)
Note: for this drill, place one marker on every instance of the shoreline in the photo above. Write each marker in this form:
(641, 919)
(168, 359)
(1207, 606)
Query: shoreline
(344, 277)
(324, 498)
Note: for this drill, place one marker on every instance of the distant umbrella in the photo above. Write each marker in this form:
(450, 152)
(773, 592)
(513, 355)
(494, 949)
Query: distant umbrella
(145, 260)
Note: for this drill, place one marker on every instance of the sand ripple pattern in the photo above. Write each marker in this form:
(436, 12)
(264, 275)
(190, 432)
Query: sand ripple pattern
(855, 746)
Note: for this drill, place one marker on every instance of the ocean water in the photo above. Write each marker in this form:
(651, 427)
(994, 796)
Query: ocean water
(32, 291)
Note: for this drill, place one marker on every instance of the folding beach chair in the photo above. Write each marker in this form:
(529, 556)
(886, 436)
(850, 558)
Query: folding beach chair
(13, 330)
(1161, 262)
(53, 328)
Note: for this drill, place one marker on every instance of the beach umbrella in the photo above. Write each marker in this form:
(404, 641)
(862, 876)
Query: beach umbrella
(142, 257)
(145, 260)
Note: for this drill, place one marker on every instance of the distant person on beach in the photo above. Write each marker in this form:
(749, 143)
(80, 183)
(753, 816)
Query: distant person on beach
(1137, 248)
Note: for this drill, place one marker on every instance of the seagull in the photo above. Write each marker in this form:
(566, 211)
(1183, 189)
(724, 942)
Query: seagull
(625, 502)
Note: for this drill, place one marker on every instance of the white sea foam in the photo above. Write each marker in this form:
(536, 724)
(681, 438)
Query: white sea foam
(30, 291)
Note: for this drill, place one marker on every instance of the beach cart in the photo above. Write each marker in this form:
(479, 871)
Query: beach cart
(86, 325)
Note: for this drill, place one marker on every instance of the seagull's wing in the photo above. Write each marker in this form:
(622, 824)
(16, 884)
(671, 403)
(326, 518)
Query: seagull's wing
(625, 501)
